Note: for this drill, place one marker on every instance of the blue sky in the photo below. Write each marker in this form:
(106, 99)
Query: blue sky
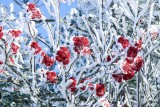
(64, 8)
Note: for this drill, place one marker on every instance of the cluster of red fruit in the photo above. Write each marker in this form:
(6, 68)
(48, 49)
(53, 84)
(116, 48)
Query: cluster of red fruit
(130, 66)
(46, 59)
(14, 48)
(99, 88)
(132, 63)
(1, 33)
(81, 44)
(36, 47)
(15, 33)
(63, 55)
(51, 76)
(35, 13)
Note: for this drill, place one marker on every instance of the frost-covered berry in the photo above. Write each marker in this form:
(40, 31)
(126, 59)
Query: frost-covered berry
(138, 44)
(63, 55)
(14, 48)
(36, 47)
(128, 76)
(1, 35)
(80, 42)
(132, 52)
(137, 64)
(72, 86)
(100, 89)
(36, 14)
(33, 11)
(1, 62)
(1, 28)
(15, 33)
(124, 42)
(31, 7)
(51, 76)
(127, 67)
(11, 59)
(47, 60)
(118, 77)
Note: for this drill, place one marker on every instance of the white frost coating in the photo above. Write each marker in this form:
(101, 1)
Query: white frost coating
(2, 10)
(47, 26)
(11, 7)
(101, 22)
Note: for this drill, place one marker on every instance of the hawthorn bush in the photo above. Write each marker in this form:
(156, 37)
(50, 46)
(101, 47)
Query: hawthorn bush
(103, 53)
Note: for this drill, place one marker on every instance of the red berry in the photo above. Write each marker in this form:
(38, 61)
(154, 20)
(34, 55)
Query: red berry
(127, 68)
(138, 44)
(138, 62)
(128, 76)
(14, 48)
(11, 59)
(36, 47)
(108, 58)
(1, 28)
(124, 42)
(118, 77)
(1, 62)
(72, 86)
(100, 89)
(34, 44)
(36, 14)
(47, 60)
(80, 43)
(63, 55)
(15, 33)
(132, 52)
(129, 59)
(91, 86)
(31, 7)
(1, 35)
(51, 76)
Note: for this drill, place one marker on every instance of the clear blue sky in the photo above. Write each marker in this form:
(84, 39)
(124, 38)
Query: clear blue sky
(64, 8)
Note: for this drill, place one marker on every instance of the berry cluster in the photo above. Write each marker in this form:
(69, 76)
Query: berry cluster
(51, 76)
(72, 86)
(35, 13)
(100, 89)
(138, 44)
(81, 44)
(1, 33)
(124, 42)
(15, 33)
(36, 47)
(47, 60)
(14, 48)
(11, 59)
(133, 63)
(63, 55)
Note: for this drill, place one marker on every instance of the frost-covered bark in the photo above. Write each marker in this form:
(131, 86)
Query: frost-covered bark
(103, 53)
